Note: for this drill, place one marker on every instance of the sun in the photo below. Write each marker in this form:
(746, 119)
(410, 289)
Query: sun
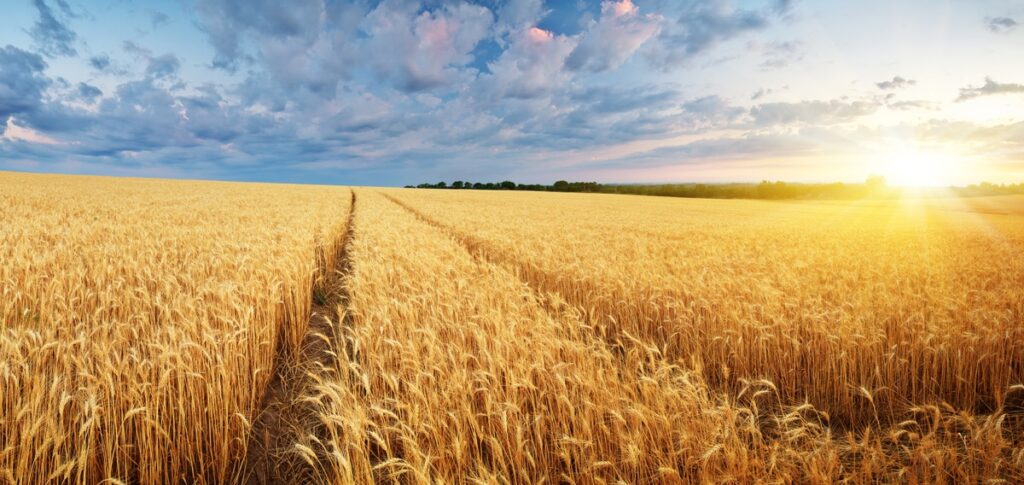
(916, 167)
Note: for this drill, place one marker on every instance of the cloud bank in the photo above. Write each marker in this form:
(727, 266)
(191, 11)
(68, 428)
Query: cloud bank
(400, 91)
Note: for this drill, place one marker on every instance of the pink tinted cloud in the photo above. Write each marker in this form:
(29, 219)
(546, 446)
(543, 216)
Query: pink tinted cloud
(615, 37)
(537, 34)
(619, 9)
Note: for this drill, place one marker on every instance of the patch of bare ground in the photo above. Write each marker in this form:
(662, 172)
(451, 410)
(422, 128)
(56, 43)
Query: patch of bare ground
(285, 418)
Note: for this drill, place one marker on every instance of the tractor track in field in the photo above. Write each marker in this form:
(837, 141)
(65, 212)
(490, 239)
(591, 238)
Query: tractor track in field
(540, 282)
(284, 418)
(485, 252)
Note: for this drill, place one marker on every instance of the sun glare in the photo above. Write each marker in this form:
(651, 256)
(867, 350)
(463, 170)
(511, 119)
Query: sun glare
(915, 167)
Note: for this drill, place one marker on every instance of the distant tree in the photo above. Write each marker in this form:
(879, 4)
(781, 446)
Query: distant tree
(770, 190)
(875, 182)
(873, 187)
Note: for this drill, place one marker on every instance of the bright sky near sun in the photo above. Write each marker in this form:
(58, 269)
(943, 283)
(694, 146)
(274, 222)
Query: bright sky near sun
(924, 92)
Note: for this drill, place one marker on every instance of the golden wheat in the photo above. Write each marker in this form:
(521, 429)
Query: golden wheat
(141, 320)
(485, 337)
(910, 300)
(519, 343)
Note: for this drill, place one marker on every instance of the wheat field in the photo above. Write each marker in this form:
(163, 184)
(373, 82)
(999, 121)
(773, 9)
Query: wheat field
(503, 337)
(141, 320)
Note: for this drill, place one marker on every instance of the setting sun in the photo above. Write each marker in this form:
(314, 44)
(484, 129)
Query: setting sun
(918, 167)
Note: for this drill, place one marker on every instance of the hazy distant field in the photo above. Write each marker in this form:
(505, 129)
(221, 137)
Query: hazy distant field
(156, 332)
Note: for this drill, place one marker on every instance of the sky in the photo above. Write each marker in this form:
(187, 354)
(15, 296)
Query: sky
(923, 92)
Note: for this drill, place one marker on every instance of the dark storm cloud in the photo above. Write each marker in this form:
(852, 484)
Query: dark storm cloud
(51, 36)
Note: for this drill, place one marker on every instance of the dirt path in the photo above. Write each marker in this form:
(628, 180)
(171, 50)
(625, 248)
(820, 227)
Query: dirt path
(283, 419)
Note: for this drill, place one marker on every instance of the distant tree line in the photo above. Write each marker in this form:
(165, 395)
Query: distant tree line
(986, 188)
(874, 187)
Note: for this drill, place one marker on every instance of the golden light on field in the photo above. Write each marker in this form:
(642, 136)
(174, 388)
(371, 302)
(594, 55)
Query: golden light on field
(505, 337)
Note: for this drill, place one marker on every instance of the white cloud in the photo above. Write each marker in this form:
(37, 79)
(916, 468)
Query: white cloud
(424, 51)
(612, 40)
(533, 64)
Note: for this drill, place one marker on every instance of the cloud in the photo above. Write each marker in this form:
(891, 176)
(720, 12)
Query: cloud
(157, 66)
(760, 93)
(990, 88)
(18, 133)
(51, 36)
(88, 93)
(207, 119)
(896, 82)
(1000, 24)
(158, 19)
(810, 147)
(912, 104)
(604, 100)
(749, 148)
(695, 26)
(416, 52)
(22, 83)
(396, 91)
(104, 64)
(100, 62)
(1004, 142)
(781, 54)
(810, 112)
(712, 111)
(314, 45)
(610, 41)
(227, 22)
(162, 66)
(532, 66)
(518, 14)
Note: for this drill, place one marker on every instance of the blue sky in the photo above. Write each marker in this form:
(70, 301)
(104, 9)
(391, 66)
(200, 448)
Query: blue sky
(400, 92)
